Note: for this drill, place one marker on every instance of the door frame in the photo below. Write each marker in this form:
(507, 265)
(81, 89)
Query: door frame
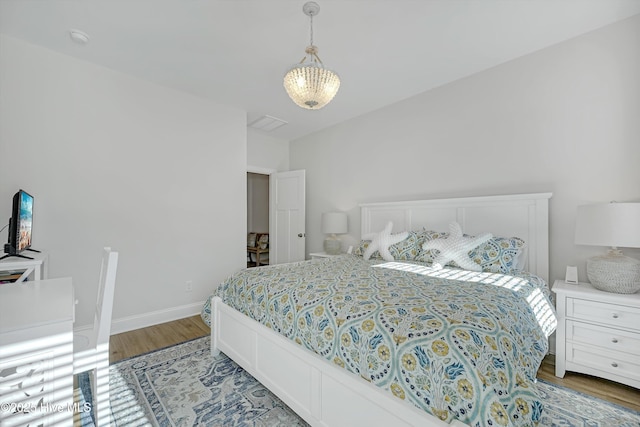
(262, 171)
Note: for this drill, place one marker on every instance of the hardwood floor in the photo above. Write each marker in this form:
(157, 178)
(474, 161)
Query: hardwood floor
(620, 394)
(144, 340)
(140, 341)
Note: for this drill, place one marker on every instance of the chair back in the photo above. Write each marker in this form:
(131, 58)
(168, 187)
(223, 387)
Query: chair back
(106, 290)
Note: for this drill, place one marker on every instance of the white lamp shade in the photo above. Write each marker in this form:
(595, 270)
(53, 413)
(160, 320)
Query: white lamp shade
(334, 223)
(609, 224)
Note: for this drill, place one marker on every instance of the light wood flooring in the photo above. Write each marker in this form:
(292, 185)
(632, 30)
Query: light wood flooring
(144, 340)
(140, 341)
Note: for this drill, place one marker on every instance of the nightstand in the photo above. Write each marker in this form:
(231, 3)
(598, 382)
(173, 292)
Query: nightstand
(598, 333)
(318, 255)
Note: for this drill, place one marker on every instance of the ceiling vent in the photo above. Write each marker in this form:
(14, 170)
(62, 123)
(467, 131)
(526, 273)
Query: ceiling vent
(267, 123)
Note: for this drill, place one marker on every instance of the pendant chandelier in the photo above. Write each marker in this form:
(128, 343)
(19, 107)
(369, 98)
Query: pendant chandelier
(309, 84)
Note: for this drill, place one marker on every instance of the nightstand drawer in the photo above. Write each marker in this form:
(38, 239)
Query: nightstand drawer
(608, 338)
(620, 364)
(611, 314)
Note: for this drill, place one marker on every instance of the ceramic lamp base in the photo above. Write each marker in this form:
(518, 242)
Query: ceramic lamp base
(614, 272)
(332, 245)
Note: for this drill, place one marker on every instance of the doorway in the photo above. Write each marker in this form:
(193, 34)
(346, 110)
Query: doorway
(257, 219)
(284, 212)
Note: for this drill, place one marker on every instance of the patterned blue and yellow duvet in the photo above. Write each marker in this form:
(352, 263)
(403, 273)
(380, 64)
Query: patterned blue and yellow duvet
(458, 344)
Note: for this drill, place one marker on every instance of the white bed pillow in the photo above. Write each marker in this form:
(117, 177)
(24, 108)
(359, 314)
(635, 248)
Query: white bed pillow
(382, 241)
(456, 248)
(406, 250)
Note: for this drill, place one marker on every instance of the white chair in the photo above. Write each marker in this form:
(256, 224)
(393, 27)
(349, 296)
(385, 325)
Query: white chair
(91, 346)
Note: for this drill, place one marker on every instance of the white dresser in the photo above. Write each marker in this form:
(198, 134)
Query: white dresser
(598, 333)
(36, 353)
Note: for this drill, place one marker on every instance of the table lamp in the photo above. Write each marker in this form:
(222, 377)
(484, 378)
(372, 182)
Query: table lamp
(615, 225)
(333, 223)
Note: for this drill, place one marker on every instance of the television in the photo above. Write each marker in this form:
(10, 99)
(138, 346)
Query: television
(20, 226)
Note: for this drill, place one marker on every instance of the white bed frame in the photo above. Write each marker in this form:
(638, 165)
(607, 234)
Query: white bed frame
(326, 395)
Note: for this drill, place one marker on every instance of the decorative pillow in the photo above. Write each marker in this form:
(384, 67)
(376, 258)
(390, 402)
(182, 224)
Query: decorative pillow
(456, 247)
(499, 254)
(406, 250)
(424, 236)
(382, 243)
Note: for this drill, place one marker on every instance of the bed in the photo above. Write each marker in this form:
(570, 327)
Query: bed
(346, 341)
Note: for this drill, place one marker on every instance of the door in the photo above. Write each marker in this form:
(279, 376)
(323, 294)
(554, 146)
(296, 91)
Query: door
(287, 217)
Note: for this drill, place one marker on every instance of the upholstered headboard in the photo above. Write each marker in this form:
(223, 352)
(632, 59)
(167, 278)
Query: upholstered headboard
(519, 215)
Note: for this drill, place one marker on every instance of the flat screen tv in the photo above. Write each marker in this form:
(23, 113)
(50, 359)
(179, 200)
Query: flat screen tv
(20, 225)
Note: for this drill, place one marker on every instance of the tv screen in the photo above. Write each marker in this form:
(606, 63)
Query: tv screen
(20, 224)
(25, 221)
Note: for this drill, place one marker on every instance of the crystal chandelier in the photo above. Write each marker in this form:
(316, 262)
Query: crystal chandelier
(309, 84)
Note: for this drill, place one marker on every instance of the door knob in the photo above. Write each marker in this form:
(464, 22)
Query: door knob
(300, 234)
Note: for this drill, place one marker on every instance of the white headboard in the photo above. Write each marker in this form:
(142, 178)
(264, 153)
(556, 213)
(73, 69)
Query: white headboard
(519, 215)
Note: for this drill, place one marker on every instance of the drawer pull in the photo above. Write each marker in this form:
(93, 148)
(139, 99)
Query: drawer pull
(614, 340)
(614, 364)
(615, 315)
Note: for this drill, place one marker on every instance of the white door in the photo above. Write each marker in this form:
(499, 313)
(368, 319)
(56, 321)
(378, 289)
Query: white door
(287, 217)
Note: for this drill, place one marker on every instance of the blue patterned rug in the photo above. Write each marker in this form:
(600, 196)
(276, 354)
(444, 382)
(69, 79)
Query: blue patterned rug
(183, 386)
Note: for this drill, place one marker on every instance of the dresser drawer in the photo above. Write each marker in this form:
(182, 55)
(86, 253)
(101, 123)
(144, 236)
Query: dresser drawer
(608, 338)
(616, 363)
(610, 314)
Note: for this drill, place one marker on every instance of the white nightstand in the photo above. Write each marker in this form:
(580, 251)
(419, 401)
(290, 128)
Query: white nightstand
(317, 255)
(598, 333)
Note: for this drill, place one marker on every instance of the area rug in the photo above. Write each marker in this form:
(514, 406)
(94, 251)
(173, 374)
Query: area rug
(183, 386)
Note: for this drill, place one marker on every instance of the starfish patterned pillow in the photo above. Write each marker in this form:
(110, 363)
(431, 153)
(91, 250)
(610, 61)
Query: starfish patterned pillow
(456, 247)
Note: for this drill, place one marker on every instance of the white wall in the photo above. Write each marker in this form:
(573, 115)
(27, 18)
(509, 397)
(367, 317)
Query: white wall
(157, 174)
(562, 120)
(265, 152)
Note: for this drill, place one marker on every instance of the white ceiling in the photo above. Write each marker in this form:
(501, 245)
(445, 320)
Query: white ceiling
(236, 52)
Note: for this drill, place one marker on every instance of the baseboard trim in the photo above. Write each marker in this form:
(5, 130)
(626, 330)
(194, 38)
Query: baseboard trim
(130, 323)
